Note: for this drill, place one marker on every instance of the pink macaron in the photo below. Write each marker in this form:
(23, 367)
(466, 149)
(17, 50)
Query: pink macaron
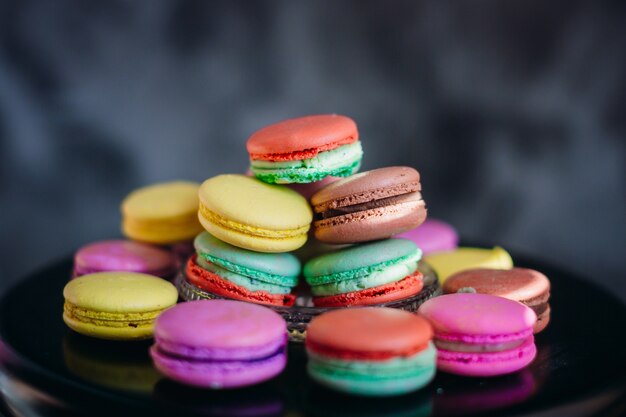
(433, 236)
(124, 255)
(219, 343)
(480, 334)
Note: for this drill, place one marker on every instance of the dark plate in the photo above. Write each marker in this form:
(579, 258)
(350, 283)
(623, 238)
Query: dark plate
(580, 368)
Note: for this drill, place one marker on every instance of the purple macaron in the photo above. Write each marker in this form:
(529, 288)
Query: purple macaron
(124, 255)
(219, 343)
(433, 236)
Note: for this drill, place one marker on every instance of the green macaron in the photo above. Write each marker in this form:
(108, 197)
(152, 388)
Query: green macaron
(276, 273)
(361, 267)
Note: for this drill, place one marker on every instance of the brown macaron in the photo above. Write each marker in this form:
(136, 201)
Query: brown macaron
(527, 286)
(369, 206)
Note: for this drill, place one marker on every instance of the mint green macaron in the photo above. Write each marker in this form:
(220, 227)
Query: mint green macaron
(276, 273)
(362, 266)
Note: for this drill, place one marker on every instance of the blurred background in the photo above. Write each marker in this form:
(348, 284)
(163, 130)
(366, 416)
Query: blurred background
(512, 111)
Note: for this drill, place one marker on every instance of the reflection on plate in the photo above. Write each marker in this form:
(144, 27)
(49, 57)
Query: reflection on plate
(117, 365)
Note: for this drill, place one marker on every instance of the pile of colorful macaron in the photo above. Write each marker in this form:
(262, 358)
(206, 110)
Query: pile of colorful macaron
(226, 248)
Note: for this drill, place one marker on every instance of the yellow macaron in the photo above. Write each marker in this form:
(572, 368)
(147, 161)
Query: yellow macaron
(449, 263)
(162, 213)
(116, 305)
(251, 214)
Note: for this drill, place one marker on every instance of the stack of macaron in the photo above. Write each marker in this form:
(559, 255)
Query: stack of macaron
(233, 235)
(261, 218)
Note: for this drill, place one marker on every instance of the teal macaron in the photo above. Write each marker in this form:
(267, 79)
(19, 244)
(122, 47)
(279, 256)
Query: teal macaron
(275, 273)
(365, 274)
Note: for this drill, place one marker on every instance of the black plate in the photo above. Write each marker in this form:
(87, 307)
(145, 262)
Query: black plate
(581, 365)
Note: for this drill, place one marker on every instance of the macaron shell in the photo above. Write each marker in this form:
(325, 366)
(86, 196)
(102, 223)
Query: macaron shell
(218, 375)
(487, 364)
(398, 290)
(314, 133)
(433, 236)
(252, 242)
(255, 215)
(375, 378)
(304, 175)
(360, 256)
(123, 255)
(369, 225)
(367, 186)
(477, 315)
(229, 325)
(543, 320)
(519, 284)
(110, 333)
(120, 292)
(283, 264)
(383, 331)
(164, 200)
(162, 232)
(448, 263)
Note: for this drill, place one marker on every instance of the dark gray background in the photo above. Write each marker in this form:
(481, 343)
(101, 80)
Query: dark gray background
(513, 111)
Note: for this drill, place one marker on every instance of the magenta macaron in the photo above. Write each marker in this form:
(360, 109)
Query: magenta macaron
(124, 255)
(480, 334)
(219, 343)
(433, 236)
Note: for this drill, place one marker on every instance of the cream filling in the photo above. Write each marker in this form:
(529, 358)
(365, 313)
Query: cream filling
(477, 348)
(327, 160)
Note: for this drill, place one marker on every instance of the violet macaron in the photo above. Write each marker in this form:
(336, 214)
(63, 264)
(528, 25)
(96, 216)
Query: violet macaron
(480, 334)
(433, 236)
(219, 344)
(124, 255)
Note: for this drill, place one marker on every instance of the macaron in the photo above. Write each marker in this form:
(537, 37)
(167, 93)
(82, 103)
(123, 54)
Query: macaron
(124, 255)
(433, 236)
(480, 334)
(163, 213)
(116, 305)
(369, 206)
(370, 351)
(448, 263)
(305, 149)
(219, 344)
(241, 274)
(366, 274)
(251, 214)
(529, 287)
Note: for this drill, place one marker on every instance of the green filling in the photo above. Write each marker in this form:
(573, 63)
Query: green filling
(390, 274)
(340, 162)
(250, 273)
(246, 282)
(363, 271)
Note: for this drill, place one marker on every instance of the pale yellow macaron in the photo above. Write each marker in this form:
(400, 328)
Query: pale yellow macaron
(116, 305)
(251, 214)
(449, 263)
(162, 213)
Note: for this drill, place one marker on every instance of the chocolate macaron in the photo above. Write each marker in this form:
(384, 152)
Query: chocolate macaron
(369, 206)
(527, 286)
